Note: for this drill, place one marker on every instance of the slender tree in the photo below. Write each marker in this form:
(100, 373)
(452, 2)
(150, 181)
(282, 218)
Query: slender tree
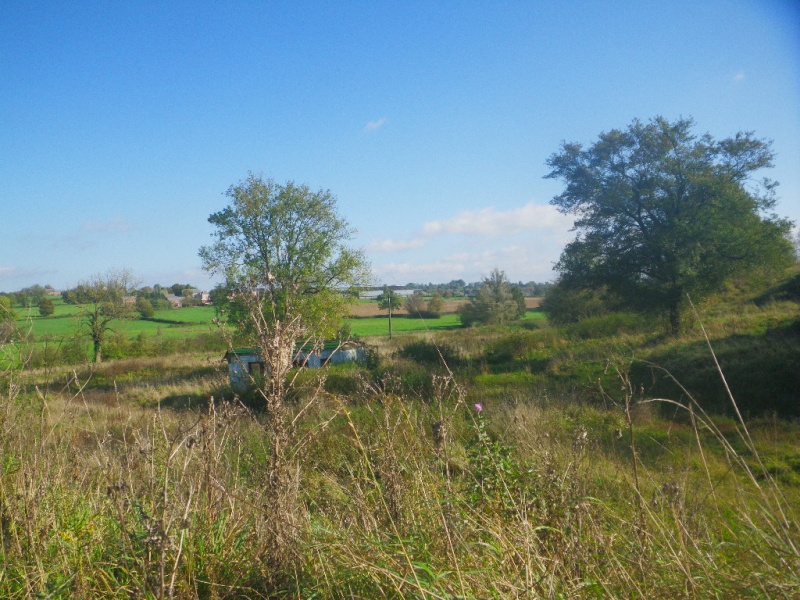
(391, 301)
(282, 250)
(101, 302)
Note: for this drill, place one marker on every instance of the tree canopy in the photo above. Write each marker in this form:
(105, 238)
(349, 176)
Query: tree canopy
(662, 213)
(102, 302)
(493, 303)
(288, 245)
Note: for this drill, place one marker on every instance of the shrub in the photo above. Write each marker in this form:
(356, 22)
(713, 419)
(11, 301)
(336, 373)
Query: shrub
(607, 325)
(430, 353)
(405, 378)
(515, 346)
(46, 307)
(144, 307)
(565, 305)
(344, 379)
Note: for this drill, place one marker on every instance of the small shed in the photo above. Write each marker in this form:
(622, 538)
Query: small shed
(331, 353)
(243, 363)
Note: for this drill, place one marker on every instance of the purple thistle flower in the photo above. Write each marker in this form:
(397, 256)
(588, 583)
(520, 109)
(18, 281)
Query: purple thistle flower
(478, 408)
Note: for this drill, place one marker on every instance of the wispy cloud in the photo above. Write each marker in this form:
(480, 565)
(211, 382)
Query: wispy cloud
(115, 225)
(395, 245)
(375, 125)
(491, 222)
(543, 220)
(530, 261)
(739, 77)
(7, 271)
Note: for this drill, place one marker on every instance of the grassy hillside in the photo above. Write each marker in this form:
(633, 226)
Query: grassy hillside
(516, 462)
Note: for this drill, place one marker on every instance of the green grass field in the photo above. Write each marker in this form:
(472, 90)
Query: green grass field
(189, 322)
(173, 323)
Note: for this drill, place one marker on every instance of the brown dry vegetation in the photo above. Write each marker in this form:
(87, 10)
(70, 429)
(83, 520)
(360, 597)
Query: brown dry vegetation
(371, 309)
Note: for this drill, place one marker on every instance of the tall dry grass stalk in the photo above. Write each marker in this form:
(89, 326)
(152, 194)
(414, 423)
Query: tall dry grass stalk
(391, 496)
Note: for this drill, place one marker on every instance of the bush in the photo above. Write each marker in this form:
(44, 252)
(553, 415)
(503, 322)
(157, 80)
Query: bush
(405, 378)
(565, 305)
(46, 307)
(515, 346)
(345, 380)
(74, 351)
(430, 353)
(144, 307)
(607, 325)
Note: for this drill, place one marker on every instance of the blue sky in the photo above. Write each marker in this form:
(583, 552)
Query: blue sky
(123, 123)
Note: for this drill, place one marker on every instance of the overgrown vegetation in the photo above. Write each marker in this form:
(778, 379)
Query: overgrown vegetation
(592, 460)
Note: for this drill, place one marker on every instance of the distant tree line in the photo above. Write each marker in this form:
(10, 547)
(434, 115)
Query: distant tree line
(458, 288)
(29, 297)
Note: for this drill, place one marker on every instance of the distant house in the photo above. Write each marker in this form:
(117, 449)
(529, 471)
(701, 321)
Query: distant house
(244, 363)
(175, 301)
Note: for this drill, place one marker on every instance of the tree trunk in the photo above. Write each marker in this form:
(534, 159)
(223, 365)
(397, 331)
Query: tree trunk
(98, 351)
(675, 306)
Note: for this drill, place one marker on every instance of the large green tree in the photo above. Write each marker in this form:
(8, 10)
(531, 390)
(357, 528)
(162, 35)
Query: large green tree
(662, 213)
(283, 252)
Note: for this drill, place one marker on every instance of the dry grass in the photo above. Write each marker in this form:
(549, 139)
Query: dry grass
(448, 307)
(111, 486)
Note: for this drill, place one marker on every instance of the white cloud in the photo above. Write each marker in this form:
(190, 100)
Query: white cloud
(400, 272)
(117, 224)
(521, 262)
(544, 224)
(491, 222)
(375, 125)
(395, 245)
(7, 271)
(739, 77)
(523, 241)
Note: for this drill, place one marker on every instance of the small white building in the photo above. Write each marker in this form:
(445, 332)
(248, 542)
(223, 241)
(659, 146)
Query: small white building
(245, 363)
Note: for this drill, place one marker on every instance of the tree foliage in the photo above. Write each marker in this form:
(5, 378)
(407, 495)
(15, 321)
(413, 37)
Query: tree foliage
(436, 305)
(144, 307)
(286, 245)
(6, 312)
(662, 213)
(102, 301)
(30, 297)
(565, 305)
(415, 305)
(519, 297)
(46, 307)
(391, 301)
(418, 308)
(493, 303)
